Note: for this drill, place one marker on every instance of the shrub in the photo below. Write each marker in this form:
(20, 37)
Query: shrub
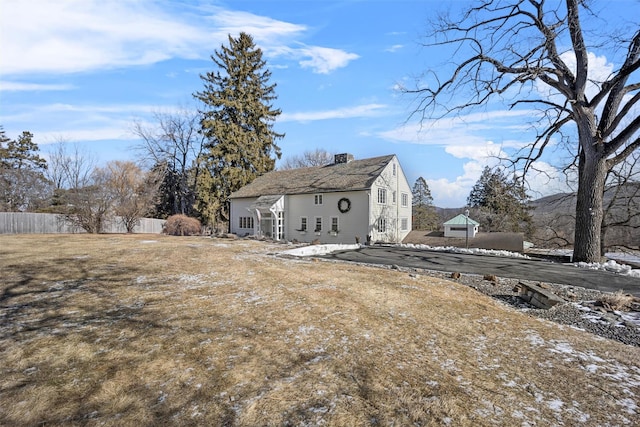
(182, 225)
(616, 301)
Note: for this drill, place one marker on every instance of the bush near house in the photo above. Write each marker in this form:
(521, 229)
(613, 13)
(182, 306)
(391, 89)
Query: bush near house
(182, 225)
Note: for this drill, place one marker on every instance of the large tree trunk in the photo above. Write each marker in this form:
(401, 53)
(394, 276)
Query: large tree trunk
(591, 180)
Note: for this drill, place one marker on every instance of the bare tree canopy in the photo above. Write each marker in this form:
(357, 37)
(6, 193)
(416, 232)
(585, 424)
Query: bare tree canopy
(540, 55)
(317, 157)
(171, 146)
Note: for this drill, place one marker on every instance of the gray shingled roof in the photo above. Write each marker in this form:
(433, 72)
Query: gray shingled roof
(355, 175)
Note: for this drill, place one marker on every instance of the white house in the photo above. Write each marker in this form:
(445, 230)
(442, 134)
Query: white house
(461, 226)
(349, 200)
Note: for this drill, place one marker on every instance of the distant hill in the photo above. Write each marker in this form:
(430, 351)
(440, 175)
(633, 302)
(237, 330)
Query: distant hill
(554, 217)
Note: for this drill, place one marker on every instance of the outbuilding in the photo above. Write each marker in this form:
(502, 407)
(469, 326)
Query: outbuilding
(461, 226)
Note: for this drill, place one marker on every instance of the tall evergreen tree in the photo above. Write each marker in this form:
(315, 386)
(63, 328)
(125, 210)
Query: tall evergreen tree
(23, 186)
(424, 213)
(501, 204)
(237, 121)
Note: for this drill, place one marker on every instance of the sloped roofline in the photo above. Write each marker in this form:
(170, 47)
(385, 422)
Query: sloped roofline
(460, 220)
(352, 176)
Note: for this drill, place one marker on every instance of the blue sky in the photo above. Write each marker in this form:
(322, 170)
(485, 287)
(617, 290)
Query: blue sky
(82, 71)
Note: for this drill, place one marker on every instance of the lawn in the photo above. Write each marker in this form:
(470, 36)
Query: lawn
(150, 330)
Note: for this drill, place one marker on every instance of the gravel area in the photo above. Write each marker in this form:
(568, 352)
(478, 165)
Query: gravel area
(581, 309)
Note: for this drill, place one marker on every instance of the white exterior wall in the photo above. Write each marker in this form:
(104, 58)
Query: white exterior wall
(361, 220)
(392, 212)
(448, 232)
(351, 224)
(240, 208)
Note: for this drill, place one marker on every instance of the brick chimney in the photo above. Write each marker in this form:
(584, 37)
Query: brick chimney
(342, 158)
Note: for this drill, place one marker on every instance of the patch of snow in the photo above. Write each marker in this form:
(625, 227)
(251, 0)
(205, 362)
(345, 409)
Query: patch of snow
(556, 404)
(629, 405)
(562, 347)
(319, 249)
(535, 339)
(632, 317)
(611, 266)
(471, 251)
(148, 241)
(591, 368)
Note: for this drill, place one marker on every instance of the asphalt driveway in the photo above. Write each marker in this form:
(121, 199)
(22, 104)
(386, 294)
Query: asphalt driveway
(527, 269)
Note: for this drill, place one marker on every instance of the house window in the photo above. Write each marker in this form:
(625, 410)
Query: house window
(404, 224)
(393, 197)
(382, 225)
(245, 222)
(317, 199)
(318, 224)
(303, 223)
(334, 223)
(382, 196)
(394, 169)
(404, 197)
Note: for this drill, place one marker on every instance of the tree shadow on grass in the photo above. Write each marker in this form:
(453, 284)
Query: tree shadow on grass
(95, 337)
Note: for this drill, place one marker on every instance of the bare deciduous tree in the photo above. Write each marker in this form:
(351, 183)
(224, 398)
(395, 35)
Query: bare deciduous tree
(507, 51)
(172, 145)
(133, 191)
(317, 157)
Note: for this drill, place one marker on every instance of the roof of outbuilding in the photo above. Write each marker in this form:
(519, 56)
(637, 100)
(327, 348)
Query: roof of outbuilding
(355, 175)
(461, 220)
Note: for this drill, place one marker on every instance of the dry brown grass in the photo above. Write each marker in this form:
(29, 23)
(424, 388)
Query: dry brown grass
(149, 330)
(617, 300)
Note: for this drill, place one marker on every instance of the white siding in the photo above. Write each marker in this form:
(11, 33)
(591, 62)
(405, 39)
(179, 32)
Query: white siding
(360, 221)
(391, 212)
(352, 223)
(240, 208)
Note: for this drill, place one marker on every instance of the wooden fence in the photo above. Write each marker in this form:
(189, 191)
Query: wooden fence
(41, 223)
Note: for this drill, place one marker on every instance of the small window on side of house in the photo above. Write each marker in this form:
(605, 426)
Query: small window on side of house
(404, 224)
(334, 224)
(318, 224)
(303, 223)
(245, 222)
(404, 197)
(382, 225)
(394, 169)
(382, 196)
(317, 199)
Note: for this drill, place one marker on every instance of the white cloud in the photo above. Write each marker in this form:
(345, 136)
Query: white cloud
(489, 152)
(68, 36)
(7, 86)
(117, 131)
(264, 30)
(323, 60)
(367, 110)
(80, 35)
(600, 70)
(471, 129)
(394, 48)
(78, 122)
